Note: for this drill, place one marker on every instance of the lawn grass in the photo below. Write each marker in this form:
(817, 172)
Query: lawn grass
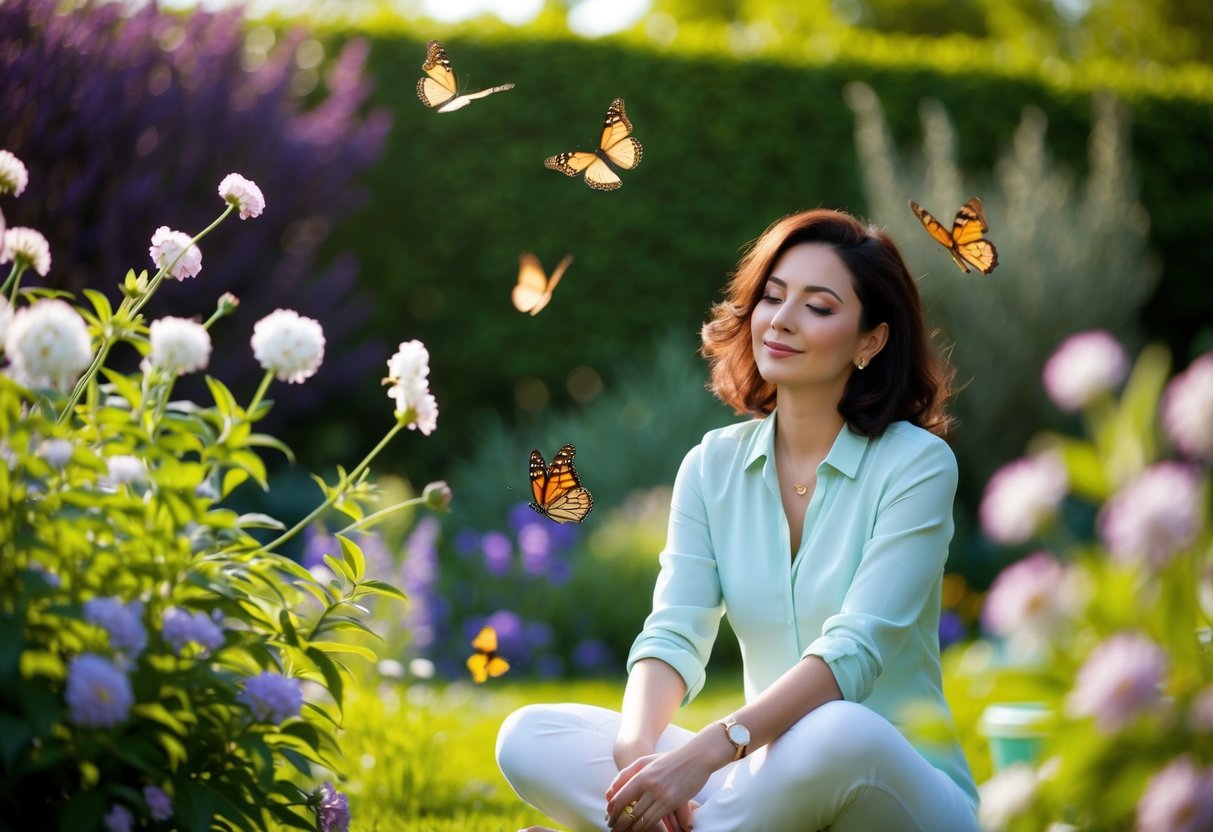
(420, 757)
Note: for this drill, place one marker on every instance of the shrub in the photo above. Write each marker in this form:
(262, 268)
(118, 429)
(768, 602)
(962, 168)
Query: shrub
(1108, 626)
(158, 661)
(106, 105)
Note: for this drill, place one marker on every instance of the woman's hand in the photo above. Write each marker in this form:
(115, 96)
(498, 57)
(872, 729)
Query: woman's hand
(657, 789)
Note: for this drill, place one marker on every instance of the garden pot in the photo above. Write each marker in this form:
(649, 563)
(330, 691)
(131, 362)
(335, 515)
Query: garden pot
(1016, 731)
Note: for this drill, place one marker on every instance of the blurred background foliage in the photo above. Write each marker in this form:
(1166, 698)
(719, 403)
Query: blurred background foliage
(1084, 126)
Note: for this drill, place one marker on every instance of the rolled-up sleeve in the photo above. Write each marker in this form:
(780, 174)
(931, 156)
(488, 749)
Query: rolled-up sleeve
(687, 601)
(897, 571)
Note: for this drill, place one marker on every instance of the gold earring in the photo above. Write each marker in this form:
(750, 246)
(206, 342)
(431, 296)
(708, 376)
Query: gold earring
(863, 362)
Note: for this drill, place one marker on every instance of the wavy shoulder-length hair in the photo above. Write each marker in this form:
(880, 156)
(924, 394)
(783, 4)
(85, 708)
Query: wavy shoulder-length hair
(907, 380)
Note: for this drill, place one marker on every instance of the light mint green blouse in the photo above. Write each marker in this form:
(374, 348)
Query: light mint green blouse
(862, 591)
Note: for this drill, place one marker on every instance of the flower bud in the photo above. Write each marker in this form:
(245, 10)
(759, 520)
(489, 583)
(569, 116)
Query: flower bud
(227, 304)
(437, 496)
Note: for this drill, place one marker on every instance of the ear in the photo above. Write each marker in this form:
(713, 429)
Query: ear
(873, 341)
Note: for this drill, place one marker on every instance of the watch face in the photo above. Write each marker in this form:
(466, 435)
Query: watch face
(739, 734)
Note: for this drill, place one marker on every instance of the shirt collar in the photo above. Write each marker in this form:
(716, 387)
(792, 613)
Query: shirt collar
(845, 454)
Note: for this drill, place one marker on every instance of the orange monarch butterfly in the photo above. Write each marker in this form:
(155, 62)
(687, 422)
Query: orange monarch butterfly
(616, 147)
(440, 90)
(534, 288)
(964, 242)
(485, 662)
(558, 493)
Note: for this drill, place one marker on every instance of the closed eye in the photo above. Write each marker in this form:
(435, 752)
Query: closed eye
(823, 311)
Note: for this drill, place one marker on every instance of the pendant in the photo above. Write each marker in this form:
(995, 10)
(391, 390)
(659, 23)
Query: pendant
(800, 488)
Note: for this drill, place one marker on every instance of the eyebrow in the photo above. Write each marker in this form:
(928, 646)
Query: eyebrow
(807, 289)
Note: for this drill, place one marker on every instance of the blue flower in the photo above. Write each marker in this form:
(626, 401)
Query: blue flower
(272, 697)
(98, 693)
(182, 628)
(120, 621)
(497, 550)
(333, 810)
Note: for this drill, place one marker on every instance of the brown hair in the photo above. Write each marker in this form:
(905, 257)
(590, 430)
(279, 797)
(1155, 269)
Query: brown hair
(908, 380)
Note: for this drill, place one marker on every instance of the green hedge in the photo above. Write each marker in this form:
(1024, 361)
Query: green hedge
(730, 145)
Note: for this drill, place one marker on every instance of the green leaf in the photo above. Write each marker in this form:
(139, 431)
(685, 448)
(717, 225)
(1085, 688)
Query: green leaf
(343, 647)
(12, 642)
(101, 303)
(382, 588)
(224, 400)
(126, 387)
(264, 440)
(256, 520)
(339, 567)
(288, 628)
(329, 670)
(231, 479)
(352, 555)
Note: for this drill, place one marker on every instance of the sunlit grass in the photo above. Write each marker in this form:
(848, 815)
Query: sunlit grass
(420, 757)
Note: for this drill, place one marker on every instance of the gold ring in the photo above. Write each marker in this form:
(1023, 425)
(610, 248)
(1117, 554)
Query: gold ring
(627, 810)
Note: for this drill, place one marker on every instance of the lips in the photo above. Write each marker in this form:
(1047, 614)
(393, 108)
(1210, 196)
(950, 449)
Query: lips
(779, 350)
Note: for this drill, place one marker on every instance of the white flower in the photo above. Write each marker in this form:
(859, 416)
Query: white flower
(1021, 496)
(1187, 409)
(289, 345)
(1084, 366)
(125, 469)
(244, 194)
(1006, 795)
(25, 245)
(56, 452)
(167, 244)
(179, 345)
(408, 372)
(1030, 600)
(13, 175)
(48, 345)
(6, 318)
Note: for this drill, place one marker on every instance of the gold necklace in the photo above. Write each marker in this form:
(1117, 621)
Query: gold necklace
(801, 488)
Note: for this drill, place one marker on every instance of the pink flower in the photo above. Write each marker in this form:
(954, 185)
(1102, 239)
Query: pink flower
(26, 246)
(1121, 677)
(1029, 600)
(1084, 366)
(1152, 517)
(166, 252)
(242, 193)
(1021, 496)
(1177, 799)
(1200, 717)
(1187, 409)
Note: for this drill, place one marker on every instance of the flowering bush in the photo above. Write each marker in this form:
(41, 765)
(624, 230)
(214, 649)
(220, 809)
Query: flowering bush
(158, 662)
(1108, 626)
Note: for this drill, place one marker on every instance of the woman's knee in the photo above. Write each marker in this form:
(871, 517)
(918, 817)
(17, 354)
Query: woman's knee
(841, 735)
(516, 740)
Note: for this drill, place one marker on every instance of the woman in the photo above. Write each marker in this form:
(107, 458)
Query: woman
(821, 529)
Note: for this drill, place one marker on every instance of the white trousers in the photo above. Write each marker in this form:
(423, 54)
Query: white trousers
(842, 767)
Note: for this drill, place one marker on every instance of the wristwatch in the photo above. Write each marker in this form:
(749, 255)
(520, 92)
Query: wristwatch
(737, 734)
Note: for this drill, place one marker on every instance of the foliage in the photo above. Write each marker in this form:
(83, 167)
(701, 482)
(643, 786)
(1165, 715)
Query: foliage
(1073, 256)
(1117, 717)
(107, 108)
(153, 651)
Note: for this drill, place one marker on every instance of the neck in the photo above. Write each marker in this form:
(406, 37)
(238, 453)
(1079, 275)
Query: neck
(807, 424)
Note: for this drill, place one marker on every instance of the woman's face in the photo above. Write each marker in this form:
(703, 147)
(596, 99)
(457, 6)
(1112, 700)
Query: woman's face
(805, 327)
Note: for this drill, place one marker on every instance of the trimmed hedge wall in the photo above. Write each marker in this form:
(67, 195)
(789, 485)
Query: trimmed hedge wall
(729, 146)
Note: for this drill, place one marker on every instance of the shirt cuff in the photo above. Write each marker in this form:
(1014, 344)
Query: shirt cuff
(854, 670)
(684, 664)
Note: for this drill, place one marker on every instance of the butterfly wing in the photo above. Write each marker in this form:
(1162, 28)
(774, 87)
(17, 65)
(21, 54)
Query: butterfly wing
(572, 163)
(558, 273)
(485, 662)
(496, 666)
(967, 232)
(539, 480)
(571, 506)
(486, 640)
(478, 665)
(558, 492)
(616, 141)
(439, 86)
(938, 233)
(533, 290)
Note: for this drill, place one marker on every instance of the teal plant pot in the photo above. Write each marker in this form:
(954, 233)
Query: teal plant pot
(1016, 731)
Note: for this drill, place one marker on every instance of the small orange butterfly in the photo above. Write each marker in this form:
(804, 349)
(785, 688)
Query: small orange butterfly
(534, 288)
(439, 89)
(964, 242)
(615, 147)
(485, 662)
(558, 492)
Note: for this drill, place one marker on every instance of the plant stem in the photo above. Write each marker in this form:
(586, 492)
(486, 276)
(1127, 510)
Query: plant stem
(261, 388)
(13, 274)
(159, 278)
(82, 385)
(371, 519)
(337, 492)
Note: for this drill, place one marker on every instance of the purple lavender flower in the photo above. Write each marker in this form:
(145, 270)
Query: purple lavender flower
(419, 573)
(158, 803)
(118, 819)
(272, 697)
(333, 810)
(467, 541)
(1121, 677)
(1084, 366)
(497, 550)
(1177, 799)
(120, 621)
(1152, 517)
(1187, 409)
(511, 636)
(182, 628)
(559, 571)
(316, 544)
(1021, 496)
(951, 629)
(1029, 600)
(591, 655)
(98, 693)
(535, 547)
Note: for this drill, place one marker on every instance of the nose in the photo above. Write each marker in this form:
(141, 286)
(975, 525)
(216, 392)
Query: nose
(781, 321)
